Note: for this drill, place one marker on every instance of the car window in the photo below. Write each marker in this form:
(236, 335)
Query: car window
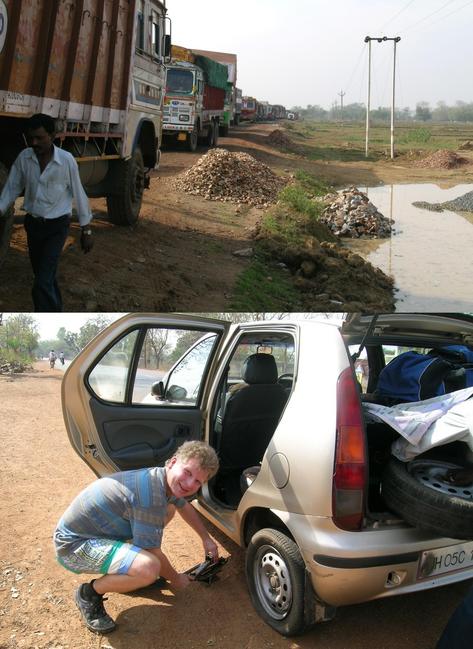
(174, 360)
(108, 379)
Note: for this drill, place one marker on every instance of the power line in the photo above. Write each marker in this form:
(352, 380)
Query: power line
(396, 15)
(453, 12)
(429, 15)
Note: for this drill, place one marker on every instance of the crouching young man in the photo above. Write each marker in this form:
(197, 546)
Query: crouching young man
(115, 526)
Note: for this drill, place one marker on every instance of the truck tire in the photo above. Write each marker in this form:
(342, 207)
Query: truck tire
(423, 493)
(210, 137)
(216, 133)
(192, 140)
(6, 221)
(223, 130)
(125, 203)
(278, 583)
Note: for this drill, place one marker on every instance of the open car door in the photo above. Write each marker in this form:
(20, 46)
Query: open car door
(136, 392)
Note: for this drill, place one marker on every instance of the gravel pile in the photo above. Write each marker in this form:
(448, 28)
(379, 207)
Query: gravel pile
(281, 140)
(461, 204)
(353, 215)
(444, 159)
(13, 367)
(231, 177)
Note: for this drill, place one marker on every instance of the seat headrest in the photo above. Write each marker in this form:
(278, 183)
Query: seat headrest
(260, 368)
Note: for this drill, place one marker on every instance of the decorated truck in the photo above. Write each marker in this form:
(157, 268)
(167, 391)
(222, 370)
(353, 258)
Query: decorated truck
(238, 105)
(97, 67)
(194, 98)
(230, 61)
(249, 109)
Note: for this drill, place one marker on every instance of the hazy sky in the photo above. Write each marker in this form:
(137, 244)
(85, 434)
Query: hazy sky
(307, 51)
(50, 323)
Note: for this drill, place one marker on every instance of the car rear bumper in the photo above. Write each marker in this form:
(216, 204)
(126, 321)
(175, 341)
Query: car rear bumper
(354, 567)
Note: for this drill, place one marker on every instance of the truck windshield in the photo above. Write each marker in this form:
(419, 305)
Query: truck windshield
(180, 81)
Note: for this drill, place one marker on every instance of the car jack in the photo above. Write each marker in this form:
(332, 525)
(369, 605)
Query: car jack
(207, 570)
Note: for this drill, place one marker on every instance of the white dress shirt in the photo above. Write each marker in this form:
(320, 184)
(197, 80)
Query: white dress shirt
(48, 194)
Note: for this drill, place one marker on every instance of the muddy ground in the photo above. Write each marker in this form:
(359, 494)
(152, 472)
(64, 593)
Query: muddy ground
(41, 474)
(180, 255)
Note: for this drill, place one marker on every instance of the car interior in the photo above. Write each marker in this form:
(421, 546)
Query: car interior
(251, 398)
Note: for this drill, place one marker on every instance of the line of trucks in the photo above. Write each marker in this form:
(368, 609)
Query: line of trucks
(107, 72)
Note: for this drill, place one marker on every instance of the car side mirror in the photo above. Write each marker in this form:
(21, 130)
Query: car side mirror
(157, 389)
(176, 393)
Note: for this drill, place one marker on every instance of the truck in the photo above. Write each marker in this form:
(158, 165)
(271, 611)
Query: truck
(230, 61)
(98, 68)
(238, 105)
(248, 109)
(194, 98)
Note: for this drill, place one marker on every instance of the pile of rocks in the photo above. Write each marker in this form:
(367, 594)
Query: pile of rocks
(463, 203)
(281, 140)
(442, 159)
(351, 214)
(13, 367)
(231, 177)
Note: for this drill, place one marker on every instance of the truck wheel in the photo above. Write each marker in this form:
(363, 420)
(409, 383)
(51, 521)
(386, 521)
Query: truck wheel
(429, 495)
(216, 129)
(210, 138)
(6, 221)
(125, 203)
(192, 140)
(276, 577)
(223, 130)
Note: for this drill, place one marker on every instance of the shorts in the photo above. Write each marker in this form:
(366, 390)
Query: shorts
(104, 556)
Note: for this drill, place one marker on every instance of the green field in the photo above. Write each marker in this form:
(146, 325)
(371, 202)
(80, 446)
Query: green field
(346, 141)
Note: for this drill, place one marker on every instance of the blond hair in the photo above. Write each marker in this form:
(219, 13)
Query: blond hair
(200, 451)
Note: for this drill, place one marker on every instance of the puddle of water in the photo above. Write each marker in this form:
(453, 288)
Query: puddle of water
(430, 254)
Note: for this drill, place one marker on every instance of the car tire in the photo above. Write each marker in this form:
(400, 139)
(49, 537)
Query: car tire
(422, 494)
(278, 584)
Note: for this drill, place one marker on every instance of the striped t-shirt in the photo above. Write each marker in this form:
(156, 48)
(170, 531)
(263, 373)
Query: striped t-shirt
(126, 506)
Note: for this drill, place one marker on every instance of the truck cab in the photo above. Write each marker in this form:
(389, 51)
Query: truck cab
(193, 108)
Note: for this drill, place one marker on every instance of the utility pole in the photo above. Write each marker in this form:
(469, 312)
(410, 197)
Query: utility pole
(380, 39)
(341, 94)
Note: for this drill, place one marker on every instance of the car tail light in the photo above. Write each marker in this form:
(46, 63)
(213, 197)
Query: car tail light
(349, 479)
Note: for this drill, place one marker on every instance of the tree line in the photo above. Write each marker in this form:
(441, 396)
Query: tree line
(460, 112)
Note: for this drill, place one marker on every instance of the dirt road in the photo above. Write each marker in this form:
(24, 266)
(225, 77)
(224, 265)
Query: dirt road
(41, 474)
(180, 255)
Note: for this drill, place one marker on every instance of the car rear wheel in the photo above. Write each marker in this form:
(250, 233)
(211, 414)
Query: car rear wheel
(433, 495)
(276, 577)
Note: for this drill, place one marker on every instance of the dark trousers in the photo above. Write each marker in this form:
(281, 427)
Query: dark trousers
(458, 634)
(46, 238)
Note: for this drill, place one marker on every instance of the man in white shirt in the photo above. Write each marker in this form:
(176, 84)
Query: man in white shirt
(49, 177)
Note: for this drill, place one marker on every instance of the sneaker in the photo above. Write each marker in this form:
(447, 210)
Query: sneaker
(90, 605)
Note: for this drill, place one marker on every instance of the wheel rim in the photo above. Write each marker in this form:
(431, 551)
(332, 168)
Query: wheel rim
(273, 582)
(441, 477)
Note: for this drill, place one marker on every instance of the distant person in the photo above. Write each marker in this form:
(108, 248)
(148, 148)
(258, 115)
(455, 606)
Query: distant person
(52, 358)
(458, 634)
(61, 357)
(115, 528)
(49, 177)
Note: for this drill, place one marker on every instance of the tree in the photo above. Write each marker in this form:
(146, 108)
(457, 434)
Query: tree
(423, 111)
(88, 331)
(19, 337)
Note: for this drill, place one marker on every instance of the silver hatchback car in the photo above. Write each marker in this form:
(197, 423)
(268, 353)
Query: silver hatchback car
(306, 482)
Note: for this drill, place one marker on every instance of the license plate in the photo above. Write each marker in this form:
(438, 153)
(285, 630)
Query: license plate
(443, 560)
(182, 136)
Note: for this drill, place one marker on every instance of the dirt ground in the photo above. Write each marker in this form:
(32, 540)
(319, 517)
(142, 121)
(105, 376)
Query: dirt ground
(180, 255)
(41, 474)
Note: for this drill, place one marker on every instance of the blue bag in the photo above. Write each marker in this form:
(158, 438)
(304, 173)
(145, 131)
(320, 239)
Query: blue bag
(412, 376)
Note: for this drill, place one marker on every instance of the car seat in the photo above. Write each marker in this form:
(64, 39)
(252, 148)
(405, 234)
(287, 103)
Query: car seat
(251, 414)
